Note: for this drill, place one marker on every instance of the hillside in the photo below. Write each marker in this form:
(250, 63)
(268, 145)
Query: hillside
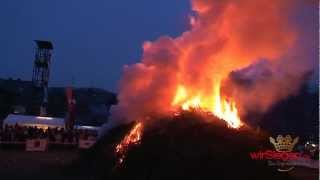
(189, 146)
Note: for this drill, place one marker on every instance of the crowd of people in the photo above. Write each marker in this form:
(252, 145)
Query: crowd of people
(19, 133)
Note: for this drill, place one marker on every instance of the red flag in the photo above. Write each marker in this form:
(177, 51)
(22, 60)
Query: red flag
(70, 120)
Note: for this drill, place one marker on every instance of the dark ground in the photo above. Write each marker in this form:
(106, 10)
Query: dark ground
(16, 165)
(189, 146)
(185, 147)
(19, 164)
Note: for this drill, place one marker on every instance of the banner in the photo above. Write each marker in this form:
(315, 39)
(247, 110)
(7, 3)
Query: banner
(36, 145)
(86, 144)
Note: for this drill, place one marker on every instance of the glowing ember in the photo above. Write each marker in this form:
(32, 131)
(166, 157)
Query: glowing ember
(214, 103)
(133, 137)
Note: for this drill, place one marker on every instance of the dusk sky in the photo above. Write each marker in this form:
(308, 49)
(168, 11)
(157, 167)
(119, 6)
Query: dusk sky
(92, 39)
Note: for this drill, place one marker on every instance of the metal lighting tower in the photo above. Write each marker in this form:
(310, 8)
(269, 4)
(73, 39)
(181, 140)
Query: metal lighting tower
(41, 71)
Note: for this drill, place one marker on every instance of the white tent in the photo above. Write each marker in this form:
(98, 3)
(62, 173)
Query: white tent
(89, 128)
(41, 122)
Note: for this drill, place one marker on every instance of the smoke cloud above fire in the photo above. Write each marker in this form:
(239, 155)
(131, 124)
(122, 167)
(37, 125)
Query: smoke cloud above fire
(247, 49)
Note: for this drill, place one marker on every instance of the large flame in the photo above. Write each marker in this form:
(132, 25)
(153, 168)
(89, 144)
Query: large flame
(215, 103)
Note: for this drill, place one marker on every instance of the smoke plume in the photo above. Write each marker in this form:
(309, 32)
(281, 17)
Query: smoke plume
(248, 49)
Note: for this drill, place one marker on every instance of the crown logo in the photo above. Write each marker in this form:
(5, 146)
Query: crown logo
(284, 144)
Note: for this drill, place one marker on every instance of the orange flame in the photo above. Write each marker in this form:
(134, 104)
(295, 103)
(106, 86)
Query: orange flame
(219, 106)
(133, 137)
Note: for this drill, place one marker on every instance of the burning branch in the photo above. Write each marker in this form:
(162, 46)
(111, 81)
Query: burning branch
(132, 138)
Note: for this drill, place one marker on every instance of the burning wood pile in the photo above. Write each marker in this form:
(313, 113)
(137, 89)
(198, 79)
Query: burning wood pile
(188, 145)
(191, 91)
(135, 134)
(232, 61)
